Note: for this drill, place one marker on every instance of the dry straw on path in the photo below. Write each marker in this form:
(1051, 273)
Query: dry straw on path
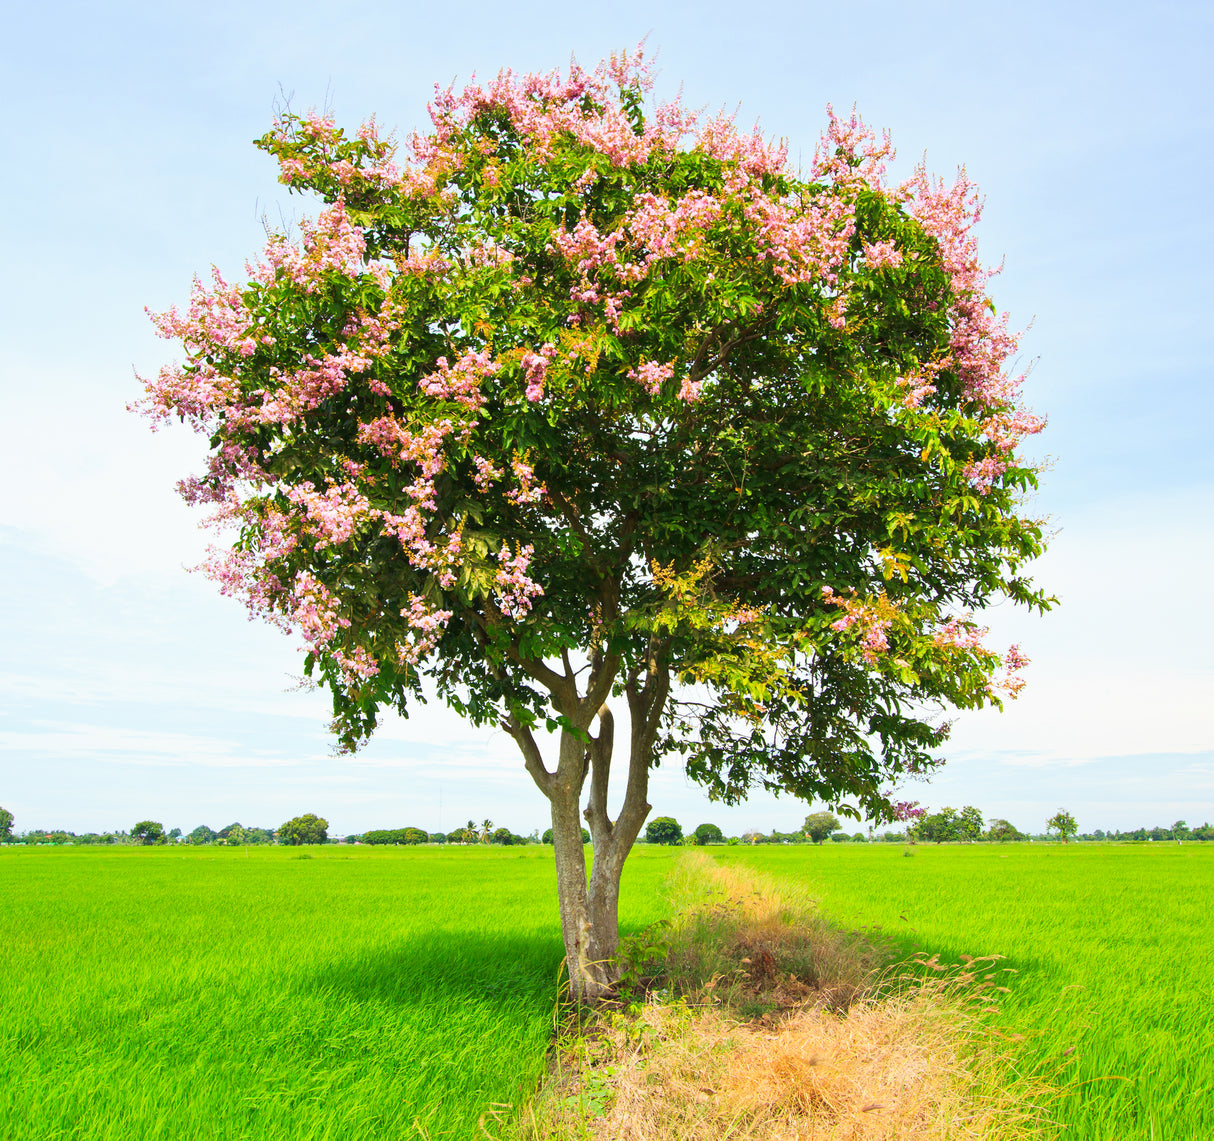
(772, 1025)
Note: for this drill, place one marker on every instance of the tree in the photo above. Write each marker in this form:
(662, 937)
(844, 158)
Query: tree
(663, 830)
(819, 825)
(305, 829)
(708, 834)
(938, 827)
(591, 399)
(201, 835)
(970, 824)
(148, 832)
(548, 836)
(6, 823)
(1001, 831)
(1063, 823)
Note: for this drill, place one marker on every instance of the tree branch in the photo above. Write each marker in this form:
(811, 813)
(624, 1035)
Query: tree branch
(532, 758)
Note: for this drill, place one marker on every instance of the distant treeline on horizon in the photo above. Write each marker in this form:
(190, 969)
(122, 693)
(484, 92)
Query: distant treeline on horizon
(311, 829)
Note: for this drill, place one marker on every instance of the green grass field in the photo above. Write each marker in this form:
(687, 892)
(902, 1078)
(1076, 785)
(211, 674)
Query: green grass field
(340, 993)
(209, 993)
(1114, 946)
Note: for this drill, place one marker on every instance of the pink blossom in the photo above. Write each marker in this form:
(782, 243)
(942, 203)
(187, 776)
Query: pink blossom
(652, 375)
(877, 255)
(527, 490)
(535, 367)
(486, 473)
(961, 634)
(427, 626)
(515, 589)
(461, 381)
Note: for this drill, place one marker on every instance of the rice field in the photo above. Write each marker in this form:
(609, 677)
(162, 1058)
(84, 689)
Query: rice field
(278, 993)
(333, 993)
(1114, 945)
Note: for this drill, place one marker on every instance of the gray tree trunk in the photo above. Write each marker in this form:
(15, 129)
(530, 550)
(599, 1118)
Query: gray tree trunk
(589, 906)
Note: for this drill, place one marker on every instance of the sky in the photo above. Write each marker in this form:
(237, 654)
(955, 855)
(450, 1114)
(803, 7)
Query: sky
(129, 689)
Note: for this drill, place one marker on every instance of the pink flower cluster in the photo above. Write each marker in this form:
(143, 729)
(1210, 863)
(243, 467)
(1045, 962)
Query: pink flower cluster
(515, 589)
(850, 151)
(878, 255)
(334, 515)
(427, 624)
(871, 624)
(315, 610)
(920, 384)
(652, 375)
(535, 370)
(584, 105)
(960, 634)
(526, 489)
(981, 343)
(331, 243)
(460, 381)
(1013, 662)
(665, 231)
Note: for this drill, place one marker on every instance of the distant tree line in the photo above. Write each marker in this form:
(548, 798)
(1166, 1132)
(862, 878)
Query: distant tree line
(946, 826)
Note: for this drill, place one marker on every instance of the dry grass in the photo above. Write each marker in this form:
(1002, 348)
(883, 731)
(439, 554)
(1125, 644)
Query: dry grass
(757, 946)
(792, 1034)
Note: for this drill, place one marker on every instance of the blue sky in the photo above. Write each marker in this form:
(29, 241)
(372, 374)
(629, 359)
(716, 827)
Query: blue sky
(129, 689)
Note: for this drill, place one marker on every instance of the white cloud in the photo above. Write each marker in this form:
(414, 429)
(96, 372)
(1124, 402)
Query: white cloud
(107, 743)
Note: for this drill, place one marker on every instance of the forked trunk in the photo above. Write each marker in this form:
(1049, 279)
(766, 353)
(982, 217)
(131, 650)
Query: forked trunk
(589, 910)
(590, 906)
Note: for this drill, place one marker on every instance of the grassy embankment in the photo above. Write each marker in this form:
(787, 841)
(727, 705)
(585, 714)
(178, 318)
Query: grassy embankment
(1112, 944)
(285, 994)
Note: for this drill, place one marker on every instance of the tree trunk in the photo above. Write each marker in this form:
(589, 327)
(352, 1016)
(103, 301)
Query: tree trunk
(589, 911)
(590, 908)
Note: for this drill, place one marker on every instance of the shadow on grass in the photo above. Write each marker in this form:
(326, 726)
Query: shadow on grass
(443, 966)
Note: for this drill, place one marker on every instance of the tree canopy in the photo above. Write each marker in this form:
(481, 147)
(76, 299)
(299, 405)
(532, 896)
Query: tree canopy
(148, 832)
(664, 830)
(306, 829)
(1063, 823)
(579, 397)
(819, 825)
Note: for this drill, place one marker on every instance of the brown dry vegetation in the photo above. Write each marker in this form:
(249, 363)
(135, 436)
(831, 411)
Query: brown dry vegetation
(765, 1023)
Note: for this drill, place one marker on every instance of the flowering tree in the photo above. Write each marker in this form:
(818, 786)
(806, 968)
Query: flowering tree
(577, 399)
